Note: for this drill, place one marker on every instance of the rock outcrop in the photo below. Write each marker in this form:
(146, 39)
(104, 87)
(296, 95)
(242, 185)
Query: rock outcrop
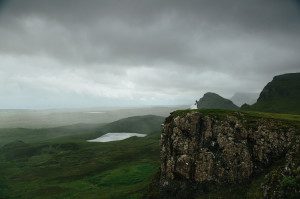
(199, 149)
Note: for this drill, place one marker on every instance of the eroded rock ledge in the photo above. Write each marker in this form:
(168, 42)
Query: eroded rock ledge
(198, 148)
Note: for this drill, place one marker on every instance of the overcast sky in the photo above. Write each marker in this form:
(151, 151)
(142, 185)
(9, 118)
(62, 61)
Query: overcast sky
(75, 53)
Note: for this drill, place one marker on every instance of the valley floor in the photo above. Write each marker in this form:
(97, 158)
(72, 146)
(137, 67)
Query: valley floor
(78, 169)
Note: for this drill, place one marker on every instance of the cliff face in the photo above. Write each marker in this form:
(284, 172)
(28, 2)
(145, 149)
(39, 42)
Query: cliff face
(201, 148)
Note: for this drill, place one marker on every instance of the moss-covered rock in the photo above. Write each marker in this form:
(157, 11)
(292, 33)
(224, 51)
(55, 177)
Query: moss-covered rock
(201, 150)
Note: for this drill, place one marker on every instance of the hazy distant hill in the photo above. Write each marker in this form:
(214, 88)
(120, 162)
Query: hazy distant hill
(137, 124)
(242, 98)
(215, 101)
(281, 95)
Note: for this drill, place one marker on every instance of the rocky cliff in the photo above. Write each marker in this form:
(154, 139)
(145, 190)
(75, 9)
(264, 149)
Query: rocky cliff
(200, 149)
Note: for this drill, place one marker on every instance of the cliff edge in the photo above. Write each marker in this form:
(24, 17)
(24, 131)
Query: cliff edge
(202, 149)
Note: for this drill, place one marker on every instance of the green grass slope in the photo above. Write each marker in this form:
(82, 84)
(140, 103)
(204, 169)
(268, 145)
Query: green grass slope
(52, 166)
(77, 169)
(138, 124)
(281, 95)
(215, 101)
(36, 135)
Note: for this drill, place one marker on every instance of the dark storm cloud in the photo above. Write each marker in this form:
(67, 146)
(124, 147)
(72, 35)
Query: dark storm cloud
(154, 47)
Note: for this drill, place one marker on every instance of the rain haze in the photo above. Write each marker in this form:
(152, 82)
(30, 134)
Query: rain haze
(65, 54)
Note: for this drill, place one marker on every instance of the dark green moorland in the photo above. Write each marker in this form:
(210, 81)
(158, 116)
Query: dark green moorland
(214, 101)
(69, 167)
(281, 95)
(59, 163)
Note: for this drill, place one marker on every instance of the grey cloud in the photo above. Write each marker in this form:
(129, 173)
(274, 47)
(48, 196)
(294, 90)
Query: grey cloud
(245, 42)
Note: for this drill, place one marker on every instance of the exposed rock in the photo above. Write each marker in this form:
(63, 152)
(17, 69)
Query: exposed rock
(284, 182)
(198, 149)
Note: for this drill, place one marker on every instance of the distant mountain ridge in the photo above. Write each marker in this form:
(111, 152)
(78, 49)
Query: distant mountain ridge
(214, 101)
(241, 98)
(281, 95)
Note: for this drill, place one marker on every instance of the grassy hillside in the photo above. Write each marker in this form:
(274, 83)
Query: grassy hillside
(137, 124)
(52, 166)
(78, 169)
(36, 135)
(215, 101)
(281, 95)
(222, 112)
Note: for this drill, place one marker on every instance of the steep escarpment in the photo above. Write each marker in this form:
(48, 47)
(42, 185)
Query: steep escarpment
(202, 149)
(281, 95)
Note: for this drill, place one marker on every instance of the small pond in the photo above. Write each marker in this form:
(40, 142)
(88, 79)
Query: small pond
(109, 137)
